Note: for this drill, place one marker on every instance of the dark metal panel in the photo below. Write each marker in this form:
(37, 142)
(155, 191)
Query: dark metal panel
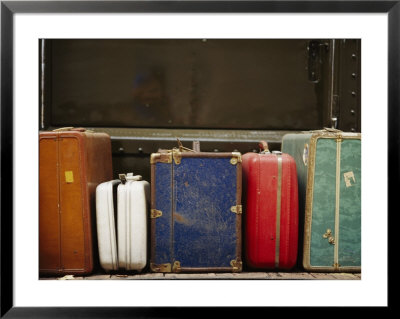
(350, 85)
(131, 148)
(217, 83)
(347, 85)
(325, 57)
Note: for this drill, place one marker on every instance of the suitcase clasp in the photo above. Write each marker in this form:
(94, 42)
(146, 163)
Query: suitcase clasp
(328, 234)
(236, 209)
(154, 213)
(236, 158)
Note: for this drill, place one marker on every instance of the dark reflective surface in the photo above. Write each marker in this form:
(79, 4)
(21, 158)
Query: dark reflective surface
(189, 83)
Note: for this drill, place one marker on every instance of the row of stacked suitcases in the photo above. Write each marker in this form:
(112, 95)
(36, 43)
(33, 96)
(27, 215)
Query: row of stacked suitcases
(201, 212)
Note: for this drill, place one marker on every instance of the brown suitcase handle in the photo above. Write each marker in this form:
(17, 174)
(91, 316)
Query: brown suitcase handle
(71, 128)
(263, 145)
(182, 148)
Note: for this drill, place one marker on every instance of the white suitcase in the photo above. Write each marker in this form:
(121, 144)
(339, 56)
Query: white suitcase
(122, 237)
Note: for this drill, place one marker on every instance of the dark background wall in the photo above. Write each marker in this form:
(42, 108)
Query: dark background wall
(226, 93)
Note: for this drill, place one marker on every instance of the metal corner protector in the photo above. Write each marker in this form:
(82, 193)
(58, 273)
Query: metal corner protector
(236, 158)
(237, 265)
(160, 267)
(160, 158)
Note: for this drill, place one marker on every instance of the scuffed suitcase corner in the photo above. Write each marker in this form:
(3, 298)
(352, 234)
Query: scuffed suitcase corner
(237, 265)
(236, 158)
(160, 158)
(163, 268)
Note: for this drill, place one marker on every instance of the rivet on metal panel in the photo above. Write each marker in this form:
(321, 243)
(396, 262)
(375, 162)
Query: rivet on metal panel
(353, 129)
(140, 150)
(354, 56)
(353, 93)
(216, 150)
(352, 112)
(121, 150)
(354, 75)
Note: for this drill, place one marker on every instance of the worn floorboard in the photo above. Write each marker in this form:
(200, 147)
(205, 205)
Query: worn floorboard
(216, 276)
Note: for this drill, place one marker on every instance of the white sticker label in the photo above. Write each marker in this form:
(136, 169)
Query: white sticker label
(305, 154)
(348, 177)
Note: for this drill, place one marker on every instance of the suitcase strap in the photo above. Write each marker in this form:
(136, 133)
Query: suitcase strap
(182, 148)
(278, 209)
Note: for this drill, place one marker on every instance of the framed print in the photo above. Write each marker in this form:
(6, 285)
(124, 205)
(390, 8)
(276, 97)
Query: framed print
(206, 68)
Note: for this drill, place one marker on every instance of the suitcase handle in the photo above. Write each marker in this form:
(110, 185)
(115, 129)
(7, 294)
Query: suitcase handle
(71, 128)
(327, 129)
(129, 177)
(182, 148)
(263, 145)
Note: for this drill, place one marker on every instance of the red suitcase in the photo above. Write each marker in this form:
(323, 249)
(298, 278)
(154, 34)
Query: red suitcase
(271, 209)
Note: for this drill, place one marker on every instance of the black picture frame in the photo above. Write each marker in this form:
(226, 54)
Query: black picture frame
(9, 8)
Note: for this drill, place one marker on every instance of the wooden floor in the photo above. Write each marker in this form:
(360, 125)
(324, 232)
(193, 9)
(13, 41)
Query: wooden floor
(217, 276)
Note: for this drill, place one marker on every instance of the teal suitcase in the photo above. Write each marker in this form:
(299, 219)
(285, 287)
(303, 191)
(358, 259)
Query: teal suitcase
(329, 175)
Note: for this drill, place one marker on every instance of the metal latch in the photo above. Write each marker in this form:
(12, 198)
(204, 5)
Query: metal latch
(236, 209)
(328, 235)
(176, 156)
(154, 213)
(236, 158)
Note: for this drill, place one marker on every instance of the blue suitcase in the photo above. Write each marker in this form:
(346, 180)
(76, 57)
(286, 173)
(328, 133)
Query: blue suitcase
(196, 212)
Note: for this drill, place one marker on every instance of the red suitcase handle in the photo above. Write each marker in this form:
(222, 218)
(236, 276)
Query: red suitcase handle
(263, 146)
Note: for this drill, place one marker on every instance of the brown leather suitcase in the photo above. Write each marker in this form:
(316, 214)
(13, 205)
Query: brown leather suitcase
(72, 162)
